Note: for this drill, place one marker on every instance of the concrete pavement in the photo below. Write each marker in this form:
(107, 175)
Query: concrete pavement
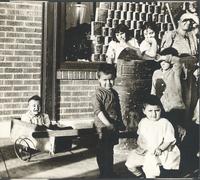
(79, 163)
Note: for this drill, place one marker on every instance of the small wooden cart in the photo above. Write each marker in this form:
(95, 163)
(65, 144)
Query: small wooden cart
(29, 139)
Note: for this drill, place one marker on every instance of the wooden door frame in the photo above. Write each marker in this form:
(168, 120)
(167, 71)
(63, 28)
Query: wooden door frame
(52, 53)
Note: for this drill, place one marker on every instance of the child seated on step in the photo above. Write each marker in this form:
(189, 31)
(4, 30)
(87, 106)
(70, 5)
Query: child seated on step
(156, 142)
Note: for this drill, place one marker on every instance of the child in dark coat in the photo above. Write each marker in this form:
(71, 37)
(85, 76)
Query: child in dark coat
(108, 119)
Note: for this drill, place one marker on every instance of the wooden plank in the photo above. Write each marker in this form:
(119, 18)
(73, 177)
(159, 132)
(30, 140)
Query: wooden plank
(56, 133)
(86, 132)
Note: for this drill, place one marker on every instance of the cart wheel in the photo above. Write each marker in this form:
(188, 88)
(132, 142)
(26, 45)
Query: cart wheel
(22, 149)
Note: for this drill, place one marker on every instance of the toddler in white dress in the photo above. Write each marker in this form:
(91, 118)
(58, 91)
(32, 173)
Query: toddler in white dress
(156, 142)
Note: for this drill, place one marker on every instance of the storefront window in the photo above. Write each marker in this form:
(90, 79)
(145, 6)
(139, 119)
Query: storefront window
(78, 43)
(89, 26)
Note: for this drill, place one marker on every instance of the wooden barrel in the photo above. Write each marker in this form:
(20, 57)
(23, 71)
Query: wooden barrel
(134, 78)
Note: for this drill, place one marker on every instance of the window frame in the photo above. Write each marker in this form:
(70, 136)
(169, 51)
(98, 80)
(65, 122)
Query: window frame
(53, 56)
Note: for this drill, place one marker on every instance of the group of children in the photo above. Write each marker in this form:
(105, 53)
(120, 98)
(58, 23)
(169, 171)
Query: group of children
(122, 39)
(160, 132)
(156, 138)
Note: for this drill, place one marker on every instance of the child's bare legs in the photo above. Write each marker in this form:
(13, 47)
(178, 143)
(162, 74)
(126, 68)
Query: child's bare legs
(149, 174)
(52, 145)
(135, 171)
(134, 161)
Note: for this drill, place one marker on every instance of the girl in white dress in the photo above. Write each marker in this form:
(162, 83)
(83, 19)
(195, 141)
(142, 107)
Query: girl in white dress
(121, 40)
(156, 142)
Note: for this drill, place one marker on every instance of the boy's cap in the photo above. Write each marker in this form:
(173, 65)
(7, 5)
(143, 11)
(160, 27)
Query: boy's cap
(165, 54)
(190, 16)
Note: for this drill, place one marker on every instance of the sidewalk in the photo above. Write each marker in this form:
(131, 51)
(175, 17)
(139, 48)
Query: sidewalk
(80, 163)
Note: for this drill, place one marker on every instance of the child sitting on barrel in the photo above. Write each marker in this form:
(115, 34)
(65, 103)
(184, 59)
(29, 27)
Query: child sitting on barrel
(122, 39)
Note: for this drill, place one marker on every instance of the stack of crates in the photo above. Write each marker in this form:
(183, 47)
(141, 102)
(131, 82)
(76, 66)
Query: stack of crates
(133, 14)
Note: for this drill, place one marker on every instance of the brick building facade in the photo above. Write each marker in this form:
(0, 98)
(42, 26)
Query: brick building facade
(21, 28)
(75, 91)
(32, 62)
(20, 56)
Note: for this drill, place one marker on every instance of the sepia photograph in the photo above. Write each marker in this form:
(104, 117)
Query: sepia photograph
(99, 89)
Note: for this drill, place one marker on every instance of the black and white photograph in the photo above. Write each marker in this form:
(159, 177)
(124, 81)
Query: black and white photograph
(99, 89)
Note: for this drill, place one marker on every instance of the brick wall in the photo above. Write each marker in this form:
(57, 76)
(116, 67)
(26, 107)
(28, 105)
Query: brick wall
(20, 55)
(75, 89)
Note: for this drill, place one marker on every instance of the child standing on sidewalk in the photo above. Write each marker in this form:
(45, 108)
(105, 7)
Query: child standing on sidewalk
(156, 142)
(108, 119)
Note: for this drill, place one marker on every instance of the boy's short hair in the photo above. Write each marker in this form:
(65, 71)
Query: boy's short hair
(35, 98)
(153, 100)
(168, 51)
(107, 69)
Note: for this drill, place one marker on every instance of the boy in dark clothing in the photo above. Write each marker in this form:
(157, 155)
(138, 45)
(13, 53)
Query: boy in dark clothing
(108, 119)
